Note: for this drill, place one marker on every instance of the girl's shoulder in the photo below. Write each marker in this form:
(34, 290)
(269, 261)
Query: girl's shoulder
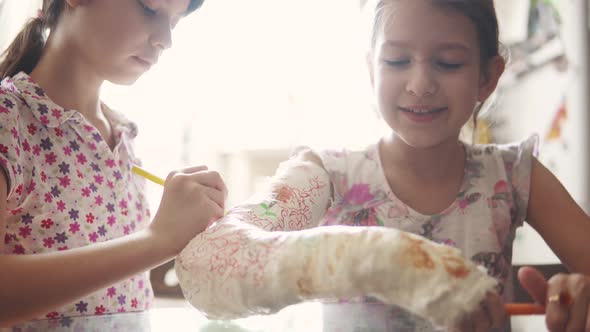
(10, 96)
(344, 160)
(16, 99)
(347, 167)
(505, 164)
(511, 152)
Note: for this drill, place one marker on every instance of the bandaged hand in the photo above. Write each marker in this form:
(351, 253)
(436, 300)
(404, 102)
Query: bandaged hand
(260, 272)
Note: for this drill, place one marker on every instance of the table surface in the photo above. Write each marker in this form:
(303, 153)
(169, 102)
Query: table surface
(305, 317)
(182, 319)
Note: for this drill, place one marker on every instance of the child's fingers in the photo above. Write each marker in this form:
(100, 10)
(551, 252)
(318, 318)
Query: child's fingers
(495, 310)
(211, 179)
(466, 325)
(488, 315)
(216, 196)
(205, 177)
(222, 187)
(194, 169)
(577, 316)
(186, 171)
(481, 322)
(534, 283)
(217, 211)
(579, 288)
(557, 314)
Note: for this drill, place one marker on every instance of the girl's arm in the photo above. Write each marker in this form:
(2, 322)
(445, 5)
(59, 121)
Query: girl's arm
(566, 228)
(31, 285)
(261, 257)
(554, 214)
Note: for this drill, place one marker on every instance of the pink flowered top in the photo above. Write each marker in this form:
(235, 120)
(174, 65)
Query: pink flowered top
(67, 189)
(491, 203)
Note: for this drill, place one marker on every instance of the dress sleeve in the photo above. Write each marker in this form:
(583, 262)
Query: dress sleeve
(518, 159)
(10, 142)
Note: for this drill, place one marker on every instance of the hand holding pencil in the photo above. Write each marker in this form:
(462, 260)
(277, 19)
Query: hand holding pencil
(565, 298)
(192, 199)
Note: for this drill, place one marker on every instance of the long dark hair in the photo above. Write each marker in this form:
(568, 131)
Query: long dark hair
(25, 51)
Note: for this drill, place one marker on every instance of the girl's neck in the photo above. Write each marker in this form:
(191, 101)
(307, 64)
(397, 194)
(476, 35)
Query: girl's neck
(68, 80)
(433, 164)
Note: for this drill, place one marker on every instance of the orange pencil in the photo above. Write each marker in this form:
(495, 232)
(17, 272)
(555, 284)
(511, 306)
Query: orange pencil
(520, 309)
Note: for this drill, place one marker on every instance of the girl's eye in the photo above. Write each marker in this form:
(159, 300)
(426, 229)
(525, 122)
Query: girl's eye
(146, 10)
(397, 63)
(448, 65)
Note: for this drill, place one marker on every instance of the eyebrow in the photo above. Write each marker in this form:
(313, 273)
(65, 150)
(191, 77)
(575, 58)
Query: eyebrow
(439, 47)
(182, 14)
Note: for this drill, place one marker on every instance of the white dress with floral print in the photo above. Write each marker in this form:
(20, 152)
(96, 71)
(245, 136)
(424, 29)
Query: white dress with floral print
(481, 222)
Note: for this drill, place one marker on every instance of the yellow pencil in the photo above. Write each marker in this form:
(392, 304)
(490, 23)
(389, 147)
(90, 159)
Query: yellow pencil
(142, 172)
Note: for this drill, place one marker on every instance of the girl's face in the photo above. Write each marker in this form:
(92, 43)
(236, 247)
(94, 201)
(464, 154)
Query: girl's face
(122, 39)
(426, 72)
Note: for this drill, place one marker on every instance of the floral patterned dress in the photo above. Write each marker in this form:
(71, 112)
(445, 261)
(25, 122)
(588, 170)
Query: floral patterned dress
(68, 189)
(481, 222)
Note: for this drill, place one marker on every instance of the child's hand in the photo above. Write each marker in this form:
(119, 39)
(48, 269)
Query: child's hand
(566, 297)
(491, 314)
(192, 199)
